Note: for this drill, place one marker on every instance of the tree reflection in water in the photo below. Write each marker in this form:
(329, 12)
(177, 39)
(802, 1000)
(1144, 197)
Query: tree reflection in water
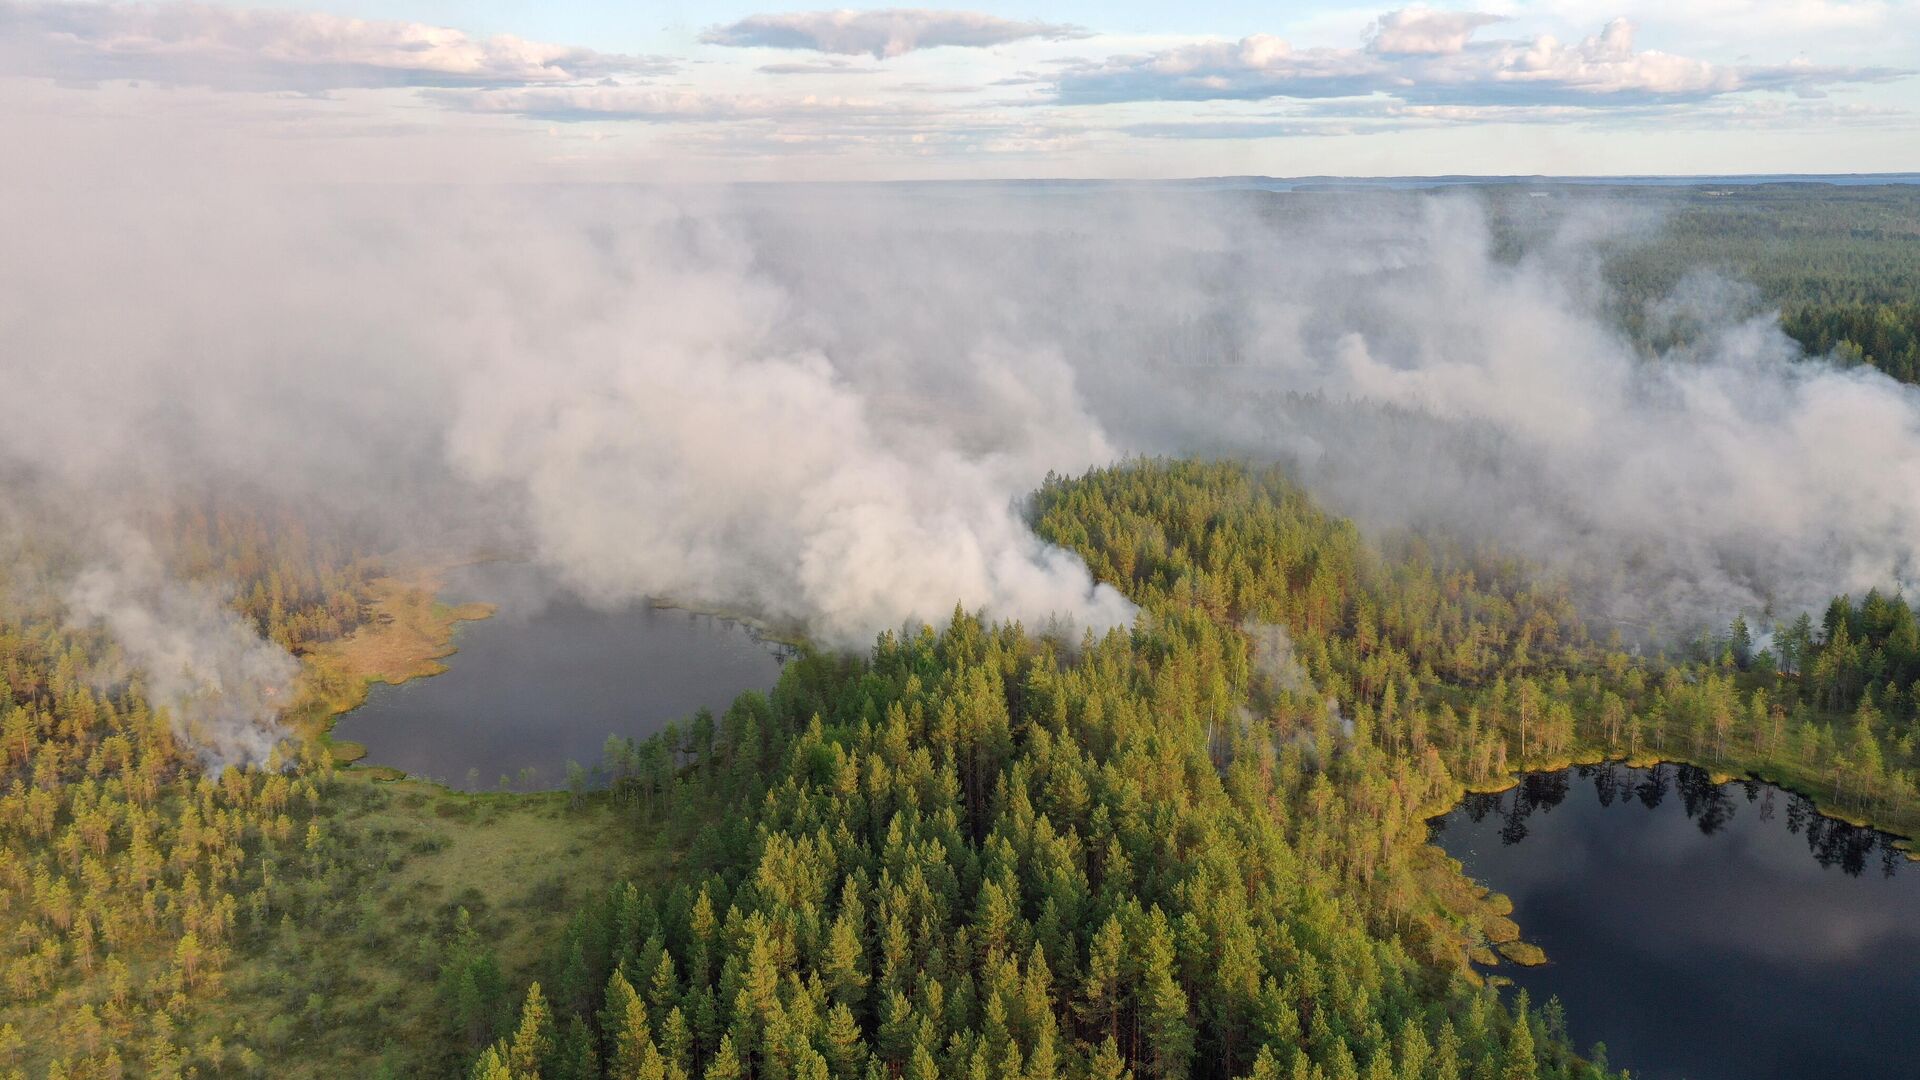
(1710, 806)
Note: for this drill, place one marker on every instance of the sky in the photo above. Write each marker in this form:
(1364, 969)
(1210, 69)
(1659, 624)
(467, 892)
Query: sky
(491, 90)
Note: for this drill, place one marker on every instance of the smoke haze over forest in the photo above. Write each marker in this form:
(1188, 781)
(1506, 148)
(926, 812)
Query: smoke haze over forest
(758, 542)
(825, 406)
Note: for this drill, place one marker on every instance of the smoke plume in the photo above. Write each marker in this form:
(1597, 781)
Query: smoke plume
(824, 406)
(222, 683)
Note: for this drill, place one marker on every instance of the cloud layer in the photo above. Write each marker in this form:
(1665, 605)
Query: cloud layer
(1035, 96)
(272, 49)
(1431, 57)
(882, 33)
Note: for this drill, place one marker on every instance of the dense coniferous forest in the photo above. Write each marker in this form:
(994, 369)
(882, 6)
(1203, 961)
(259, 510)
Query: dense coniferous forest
(1193, 850)
(1886, 336)
(985, 852)
(1840, 264)
(126, 868)
(1799, 245)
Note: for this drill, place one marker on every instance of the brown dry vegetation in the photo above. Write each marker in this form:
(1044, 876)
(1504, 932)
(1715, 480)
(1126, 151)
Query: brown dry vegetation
(407, 633)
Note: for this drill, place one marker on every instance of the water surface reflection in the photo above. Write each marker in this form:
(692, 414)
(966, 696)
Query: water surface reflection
(547, 679)
(1705, 930)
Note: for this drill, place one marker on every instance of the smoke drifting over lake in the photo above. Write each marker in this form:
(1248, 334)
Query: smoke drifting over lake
(824, 406)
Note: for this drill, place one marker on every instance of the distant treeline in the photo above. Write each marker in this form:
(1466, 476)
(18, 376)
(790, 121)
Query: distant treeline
(1841, 264)
(1801, 245)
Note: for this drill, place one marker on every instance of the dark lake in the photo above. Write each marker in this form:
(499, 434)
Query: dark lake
(1705, 931)
(547, 679)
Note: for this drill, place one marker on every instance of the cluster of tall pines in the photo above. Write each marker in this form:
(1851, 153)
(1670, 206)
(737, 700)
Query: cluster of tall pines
(1195, 848)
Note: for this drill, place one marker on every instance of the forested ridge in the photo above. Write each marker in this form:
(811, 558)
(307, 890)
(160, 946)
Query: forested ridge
(981, 853)
(1197, 849)
(1467, 653)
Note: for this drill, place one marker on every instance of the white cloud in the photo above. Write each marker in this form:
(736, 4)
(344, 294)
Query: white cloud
(1119, 105)
(1419, 31)
(1429, 57)
(665, 105)
(882, 33)
(1250, 128)
(267, 49)
(1761, 22)
(820, 67)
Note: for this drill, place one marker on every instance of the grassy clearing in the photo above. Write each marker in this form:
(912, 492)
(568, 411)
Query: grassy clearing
(338, 979)
(337, 976)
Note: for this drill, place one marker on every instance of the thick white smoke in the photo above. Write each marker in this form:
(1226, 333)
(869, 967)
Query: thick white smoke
(674, 437)
(825, 405)
(223, 684)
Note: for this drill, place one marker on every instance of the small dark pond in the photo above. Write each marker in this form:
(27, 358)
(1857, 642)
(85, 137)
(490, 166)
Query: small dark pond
(1705, 931)
(547, 679)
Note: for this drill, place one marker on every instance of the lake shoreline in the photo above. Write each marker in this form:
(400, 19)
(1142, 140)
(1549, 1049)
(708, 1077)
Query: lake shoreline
(1489, 912)
(408, 632)
(791, 637)
(1710, 903)
(530, 689)
(1904, 836)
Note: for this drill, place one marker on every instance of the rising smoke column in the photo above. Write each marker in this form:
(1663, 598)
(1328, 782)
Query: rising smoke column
(222, 683)
(680, 438)
(827, 405)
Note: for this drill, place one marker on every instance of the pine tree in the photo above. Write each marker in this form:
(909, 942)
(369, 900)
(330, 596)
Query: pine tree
(845, 958)
(1740, 642)
(574, 1057)
(845, 1052)
(1163, 1004)
(663, 991)
(624, 1021)
(1520, 1063)
(532, 1041)
(490, 1066)
(1107, 1064)
(1100, 991)
(725, 1064)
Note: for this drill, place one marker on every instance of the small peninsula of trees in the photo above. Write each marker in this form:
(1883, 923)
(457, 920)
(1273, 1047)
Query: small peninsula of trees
(1196, 849)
